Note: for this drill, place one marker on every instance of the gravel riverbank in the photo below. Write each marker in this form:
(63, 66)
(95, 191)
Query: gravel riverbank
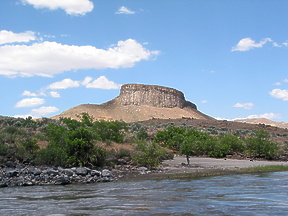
(18, 175)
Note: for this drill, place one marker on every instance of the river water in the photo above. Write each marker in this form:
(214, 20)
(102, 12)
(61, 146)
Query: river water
(245, 194)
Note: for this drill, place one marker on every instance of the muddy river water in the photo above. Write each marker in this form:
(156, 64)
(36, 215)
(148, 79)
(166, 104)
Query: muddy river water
(245, 194)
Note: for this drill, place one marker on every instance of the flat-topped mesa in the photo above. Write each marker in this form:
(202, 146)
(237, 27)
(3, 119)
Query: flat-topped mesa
(157, 96)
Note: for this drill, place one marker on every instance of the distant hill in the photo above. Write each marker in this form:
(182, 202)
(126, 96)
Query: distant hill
(264, 121)
(3, 117)
(138, 102)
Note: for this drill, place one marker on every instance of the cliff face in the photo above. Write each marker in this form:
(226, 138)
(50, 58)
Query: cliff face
(157, 96)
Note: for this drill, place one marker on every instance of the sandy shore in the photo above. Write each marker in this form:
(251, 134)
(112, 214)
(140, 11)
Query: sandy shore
(202, 167)
(213, 163)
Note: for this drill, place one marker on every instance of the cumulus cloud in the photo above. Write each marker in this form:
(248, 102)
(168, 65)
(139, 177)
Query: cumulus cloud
(244, 105)
(50, 58)
(29, 94)
(266, 115)
(103, 83)
(280, 94)
(86, 81)
(124, 10)
(71, 7)
(246, 44)
(10, 37)
(32, 94)
(54, 94)
(43, 111)
(30, 102)
(64, 84)
(40, 112)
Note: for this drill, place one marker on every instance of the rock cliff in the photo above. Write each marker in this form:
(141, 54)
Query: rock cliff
(152, 95)
(138, 102)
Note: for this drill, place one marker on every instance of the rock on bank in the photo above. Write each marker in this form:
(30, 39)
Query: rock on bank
(29, 176)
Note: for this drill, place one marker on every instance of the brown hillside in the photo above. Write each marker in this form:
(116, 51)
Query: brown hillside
(263, 121)
(138, 102)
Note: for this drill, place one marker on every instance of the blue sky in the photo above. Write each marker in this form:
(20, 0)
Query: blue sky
(229, 57)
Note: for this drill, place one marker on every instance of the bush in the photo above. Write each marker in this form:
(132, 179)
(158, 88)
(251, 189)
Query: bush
(30, 145)
(54, 156)
(233, 143)
(261, 146)
(110, 131)
(149, 154)
(171, 138)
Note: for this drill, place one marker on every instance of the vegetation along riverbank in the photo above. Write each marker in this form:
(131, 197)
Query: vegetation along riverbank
(48, 151)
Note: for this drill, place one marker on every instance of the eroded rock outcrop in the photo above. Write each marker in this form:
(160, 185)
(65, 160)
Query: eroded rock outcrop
(138, 102)
(157, 96)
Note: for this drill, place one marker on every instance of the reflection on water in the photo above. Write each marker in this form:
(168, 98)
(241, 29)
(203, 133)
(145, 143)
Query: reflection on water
(261, 194)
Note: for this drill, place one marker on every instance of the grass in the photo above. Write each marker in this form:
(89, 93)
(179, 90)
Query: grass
(268, 168)
(207, 173)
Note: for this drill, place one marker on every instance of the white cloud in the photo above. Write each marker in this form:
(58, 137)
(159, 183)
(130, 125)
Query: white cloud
(31, 94)
(50, 58)
(103, 83)
(280, 94)
(204, 101)
(40, 112)
(275, 44)
(266, 115)
(54, 94)
(124, 10)
(86, 81)
(43, 111)
(246, 44)
(29, 102)
(22, 116)
(64, 84)
(244, 105)
(10, 37)
(72, 7)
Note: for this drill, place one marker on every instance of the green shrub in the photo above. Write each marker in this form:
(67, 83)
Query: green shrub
(123, 153)
(149, 154)
(30, 145)
(172, 137)
(261, 146)
(54, 156)
(233, 143)
(112, 131)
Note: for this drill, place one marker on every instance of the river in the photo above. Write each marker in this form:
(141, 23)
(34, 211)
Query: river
(245, 194)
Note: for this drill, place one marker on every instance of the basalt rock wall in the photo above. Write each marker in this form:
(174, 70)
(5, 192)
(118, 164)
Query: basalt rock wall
(157, 96)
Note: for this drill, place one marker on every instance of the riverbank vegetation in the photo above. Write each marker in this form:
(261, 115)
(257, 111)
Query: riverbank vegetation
(68, 142)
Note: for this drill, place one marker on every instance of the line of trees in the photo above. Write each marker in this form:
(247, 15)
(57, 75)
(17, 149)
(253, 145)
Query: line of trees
(68, 142)
(191, 142)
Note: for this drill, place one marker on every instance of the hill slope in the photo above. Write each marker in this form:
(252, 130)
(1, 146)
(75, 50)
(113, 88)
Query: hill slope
(264, 121)
(138, 102)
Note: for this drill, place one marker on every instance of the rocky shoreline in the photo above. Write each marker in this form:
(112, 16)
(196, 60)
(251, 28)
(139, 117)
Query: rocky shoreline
(30, 175)
(14, 174)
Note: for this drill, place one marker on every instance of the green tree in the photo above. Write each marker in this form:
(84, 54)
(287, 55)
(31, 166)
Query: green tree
(110, 131)
(261, 146)
(189, 147)
(172, 137)
(233, 143)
